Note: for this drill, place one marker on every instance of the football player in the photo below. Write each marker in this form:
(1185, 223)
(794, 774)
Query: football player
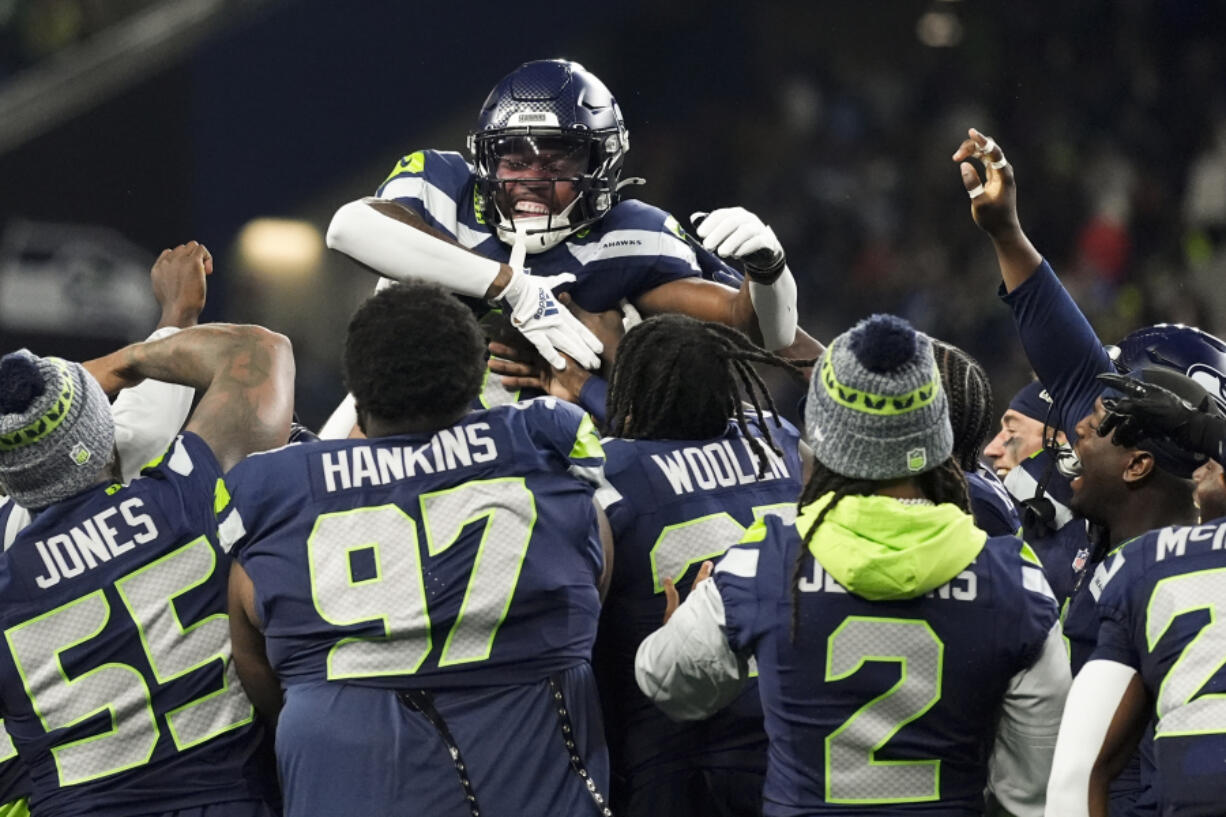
(691, 468)
(427, 598)
(1159, 654)
(115, 675)
(540, 207)
(906, 658)
(1067, 357)
(147, 417)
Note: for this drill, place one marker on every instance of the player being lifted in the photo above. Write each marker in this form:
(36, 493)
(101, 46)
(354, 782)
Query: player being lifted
(544, 189)
(895, 640)
(426, 598)
(115, 676)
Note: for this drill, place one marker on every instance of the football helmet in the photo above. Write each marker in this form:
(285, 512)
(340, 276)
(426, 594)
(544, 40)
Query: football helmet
(560, 120)
(1185, 349)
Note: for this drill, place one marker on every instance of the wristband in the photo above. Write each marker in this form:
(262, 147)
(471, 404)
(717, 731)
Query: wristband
(767, 275)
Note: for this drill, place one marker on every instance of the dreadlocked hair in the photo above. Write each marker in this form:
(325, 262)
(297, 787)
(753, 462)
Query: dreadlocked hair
(677, 378)
(945, 483)
(970, 401)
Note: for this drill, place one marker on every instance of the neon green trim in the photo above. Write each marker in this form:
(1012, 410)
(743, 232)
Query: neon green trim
(113, 489)
(156, 461)
(880, 549)
(1028, 555)
(413, 163)
(715, 533)
(881, 405)
(587, 441)
(221, 496)
(17, 808)
(51, 419)
(478, 207)
(755, 532)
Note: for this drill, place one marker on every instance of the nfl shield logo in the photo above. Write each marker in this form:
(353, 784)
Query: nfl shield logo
(917, 458)
(1079, 562)
(80, 454)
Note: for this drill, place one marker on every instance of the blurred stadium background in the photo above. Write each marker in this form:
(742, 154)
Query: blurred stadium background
(131, 125)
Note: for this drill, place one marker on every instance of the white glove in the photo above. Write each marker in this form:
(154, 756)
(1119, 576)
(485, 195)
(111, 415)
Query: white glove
(734, 232)
(547, 324)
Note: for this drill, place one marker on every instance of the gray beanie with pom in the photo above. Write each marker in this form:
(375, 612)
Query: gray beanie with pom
(876, 409)
(57, 433)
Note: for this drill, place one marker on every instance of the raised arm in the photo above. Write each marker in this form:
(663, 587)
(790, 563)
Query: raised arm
(148, 416)
(245, 375)
(1060, 343)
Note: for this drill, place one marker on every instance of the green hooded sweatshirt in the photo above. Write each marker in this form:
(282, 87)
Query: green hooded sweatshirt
(884, 550)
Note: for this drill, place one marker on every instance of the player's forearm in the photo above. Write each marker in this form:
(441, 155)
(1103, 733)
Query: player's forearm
(396, 242)
(774, 304)
(195, 357)
(147, 417)
(1017, 257)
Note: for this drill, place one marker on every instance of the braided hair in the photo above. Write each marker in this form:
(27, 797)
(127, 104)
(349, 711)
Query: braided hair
(945, 483)
(970, 401)
(677, 378)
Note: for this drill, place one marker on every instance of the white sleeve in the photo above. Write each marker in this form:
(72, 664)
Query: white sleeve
(342, 421)
(1026, 733)
(400, 251)
(775, 306)
(686, 667)
(147, 418)
(1092, 702)
(19, 517)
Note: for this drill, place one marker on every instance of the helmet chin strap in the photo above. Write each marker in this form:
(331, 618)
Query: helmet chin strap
(539, 233)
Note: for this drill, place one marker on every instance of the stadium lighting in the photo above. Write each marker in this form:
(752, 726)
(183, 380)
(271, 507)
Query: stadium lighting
(280, 248)
(939, 29)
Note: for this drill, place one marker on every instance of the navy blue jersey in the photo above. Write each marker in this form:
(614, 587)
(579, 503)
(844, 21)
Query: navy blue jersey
(678, 503)
(881, 707)
(1162, 602)
(634, 248)
(460, 565)
(1061, 543)
(115, 674)
(991, 504)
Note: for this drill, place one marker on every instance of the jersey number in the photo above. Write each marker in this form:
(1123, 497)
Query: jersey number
(119, 690)
(1202, 658)
(690, 543)
(395, 596)
(853, 772)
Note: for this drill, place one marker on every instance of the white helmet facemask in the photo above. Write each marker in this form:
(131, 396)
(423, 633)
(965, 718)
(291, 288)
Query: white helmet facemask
(543, 232)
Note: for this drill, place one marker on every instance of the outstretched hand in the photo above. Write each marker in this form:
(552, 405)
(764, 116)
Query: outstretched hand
(178, 283)
(672, 599)
(994, 195)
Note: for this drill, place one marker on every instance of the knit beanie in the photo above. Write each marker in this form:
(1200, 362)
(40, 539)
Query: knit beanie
(876, 409)
(1033, 401)
(56, 429)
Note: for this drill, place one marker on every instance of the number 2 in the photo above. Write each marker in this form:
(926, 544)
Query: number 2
(853, 772)
(1180, 710)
